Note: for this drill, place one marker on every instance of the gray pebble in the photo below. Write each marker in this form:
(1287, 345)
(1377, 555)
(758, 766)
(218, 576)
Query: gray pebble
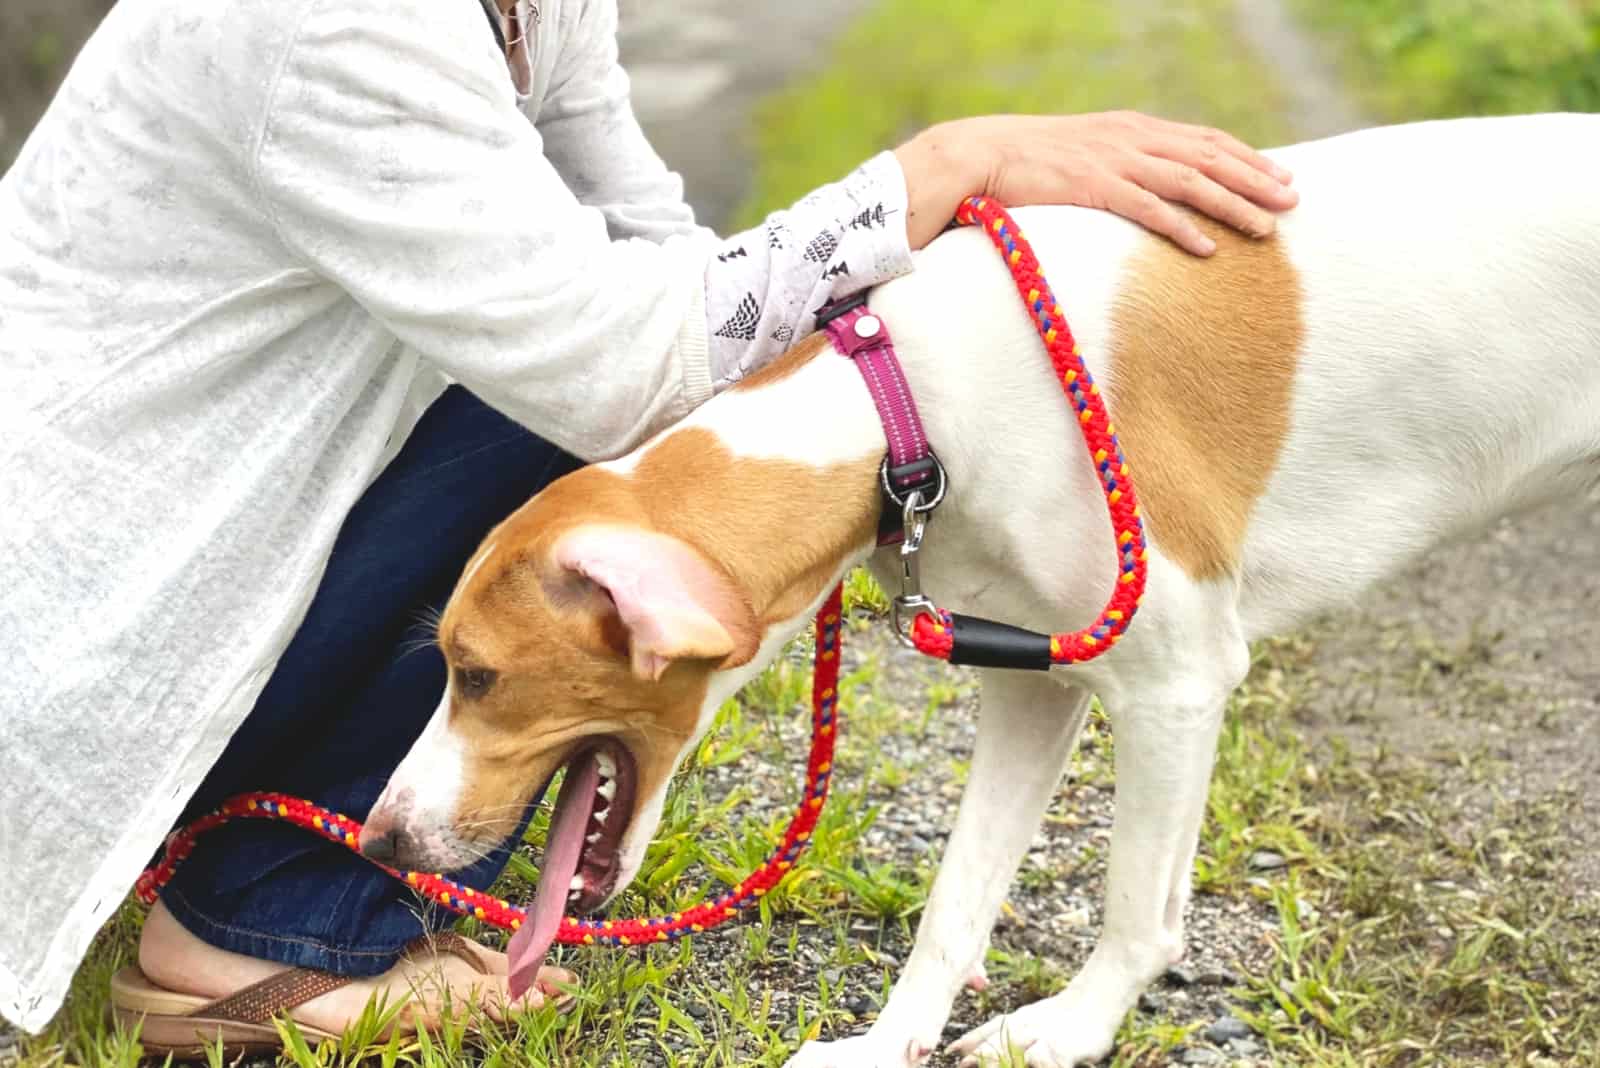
(1266, 860)
(1220, 977)
(1200, 1055)
(697, 1010)
(1150, 1003)
(1179, 975)
(1244, 1047)
(1226, 1028)
(858, 1006)
(888, 960)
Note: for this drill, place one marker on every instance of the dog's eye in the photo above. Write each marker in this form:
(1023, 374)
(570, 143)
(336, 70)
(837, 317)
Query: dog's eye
(474, 682)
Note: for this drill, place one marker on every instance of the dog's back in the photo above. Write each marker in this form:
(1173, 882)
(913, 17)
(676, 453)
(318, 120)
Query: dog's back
(1416, 352)
(1451, 370)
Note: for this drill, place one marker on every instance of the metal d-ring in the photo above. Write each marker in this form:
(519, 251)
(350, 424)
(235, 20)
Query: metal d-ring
(941, 483)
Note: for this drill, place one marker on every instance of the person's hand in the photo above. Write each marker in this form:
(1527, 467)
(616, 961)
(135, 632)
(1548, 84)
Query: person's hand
(1121, 161)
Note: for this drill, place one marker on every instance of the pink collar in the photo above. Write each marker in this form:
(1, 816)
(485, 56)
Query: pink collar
(910, 467)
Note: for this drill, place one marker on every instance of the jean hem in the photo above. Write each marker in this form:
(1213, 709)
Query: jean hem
(296, 951)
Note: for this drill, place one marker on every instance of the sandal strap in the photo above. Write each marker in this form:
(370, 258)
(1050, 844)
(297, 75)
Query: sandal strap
(441, 943)
(277, 994)
(273, 996)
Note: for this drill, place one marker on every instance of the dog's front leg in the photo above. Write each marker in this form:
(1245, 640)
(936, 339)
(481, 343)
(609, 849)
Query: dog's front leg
(1164, 752)
(1026, 728)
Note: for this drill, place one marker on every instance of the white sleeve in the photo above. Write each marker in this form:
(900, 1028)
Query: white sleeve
(764, 286)
(395, 163)
(593, 138)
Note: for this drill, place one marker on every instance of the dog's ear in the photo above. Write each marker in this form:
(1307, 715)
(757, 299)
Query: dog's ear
(673, 603)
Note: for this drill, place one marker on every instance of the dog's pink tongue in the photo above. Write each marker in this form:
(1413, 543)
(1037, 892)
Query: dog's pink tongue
(562, 850)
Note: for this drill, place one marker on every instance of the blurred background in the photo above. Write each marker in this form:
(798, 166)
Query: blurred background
(755, 101)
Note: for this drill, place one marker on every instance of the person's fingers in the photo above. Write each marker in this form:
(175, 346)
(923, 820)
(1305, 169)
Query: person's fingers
(1230, 144)
(1187, 185)
(1227, 170)
(1132, 201)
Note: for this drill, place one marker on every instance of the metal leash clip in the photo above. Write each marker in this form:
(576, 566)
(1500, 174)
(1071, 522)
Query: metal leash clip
(914, 522)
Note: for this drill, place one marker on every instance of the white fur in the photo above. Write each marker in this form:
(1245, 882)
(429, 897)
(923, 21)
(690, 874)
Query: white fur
(422, 795)
(762, 424)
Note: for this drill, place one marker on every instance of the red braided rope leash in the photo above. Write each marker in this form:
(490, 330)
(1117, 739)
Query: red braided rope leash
(932, 632)
(574, 930)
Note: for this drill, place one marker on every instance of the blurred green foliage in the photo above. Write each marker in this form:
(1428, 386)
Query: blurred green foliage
(906, 64)
(1432, 58)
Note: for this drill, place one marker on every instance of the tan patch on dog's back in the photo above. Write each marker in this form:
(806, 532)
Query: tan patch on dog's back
(1204, 355)
(808, 349)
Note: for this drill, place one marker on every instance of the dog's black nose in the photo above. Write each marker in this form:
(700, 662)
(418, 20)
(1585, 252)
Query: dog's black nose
(383, 847)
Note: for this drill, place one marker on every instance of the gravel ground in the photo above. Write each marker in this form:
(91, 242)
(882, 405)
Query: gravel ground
(1052, 914)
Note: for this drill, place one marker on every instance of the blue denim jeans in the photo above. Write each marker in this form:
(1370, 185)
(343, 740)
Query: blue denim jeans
(352, 692)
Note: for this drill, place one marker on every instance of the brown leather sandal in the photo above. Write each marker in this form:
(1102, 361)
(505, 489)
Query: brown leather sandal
(184, 1025)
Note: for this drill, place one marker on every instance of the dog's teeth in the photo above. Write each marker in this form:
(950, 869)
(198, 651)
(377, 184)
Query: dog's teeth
(593, 838)
(607, 790)
(600, 817)
(577, 884)
(608, 766)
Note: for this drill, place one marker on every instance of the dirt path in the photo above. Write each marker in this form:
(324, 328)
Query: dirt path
(698, 66)
(1318, 104)
(38, 39)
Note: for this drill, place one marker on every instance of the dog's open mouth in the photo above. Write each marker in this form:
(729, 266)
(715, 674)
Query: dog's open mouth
(581, 863)
(605, 814)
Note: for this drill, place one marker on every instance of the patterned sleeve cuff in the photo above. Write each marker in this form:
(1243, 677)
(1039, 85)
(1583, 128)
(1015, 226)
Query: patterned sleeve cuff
(765, 286)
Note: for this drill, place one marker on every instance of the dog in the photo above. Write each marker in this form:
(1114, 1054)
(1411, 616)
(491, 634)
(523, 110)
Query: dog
(1415, 353)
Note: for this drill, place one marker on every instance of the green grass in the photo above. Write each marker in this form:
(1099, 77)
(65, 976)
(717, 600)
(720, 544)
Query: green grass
(1414, 59)
(911, 63)
(1412, 929)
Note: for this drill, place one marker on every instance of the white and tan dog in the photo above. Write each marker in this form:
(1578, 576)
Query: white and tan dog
(1416, 353)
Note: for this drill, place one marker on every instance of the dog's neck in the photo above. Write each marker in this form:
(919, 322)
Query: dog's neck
(775, 481)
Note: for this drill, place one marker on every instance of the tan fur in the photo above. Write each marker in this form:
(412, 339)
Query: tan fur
(806, 350)
(779, 530)
(1204, 353)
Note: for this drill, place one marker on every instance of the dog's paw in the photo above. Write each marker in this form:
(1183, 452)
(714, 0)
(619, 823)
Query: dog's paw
(1046, 1034)
(862, 1051)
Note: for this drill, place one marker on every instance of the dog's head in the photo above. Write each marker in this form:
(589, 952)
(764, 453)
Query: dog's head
(572, 641)
(599, 628)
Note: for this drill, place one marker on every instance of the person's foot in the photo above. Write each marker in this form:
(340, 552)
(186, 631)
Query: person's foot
(173, 958)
